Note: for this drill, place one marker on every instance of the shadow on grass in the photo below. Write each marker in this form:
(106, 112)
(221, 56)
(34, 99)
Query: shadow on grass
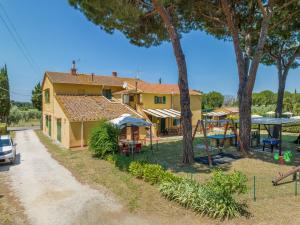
(287, 145)
(169, 156)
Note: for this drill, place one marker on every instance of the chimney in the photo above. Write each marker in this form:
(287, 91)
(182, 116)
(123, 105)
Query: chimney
(92, 76)
(159, 80)
(73, 69)
(114, 74)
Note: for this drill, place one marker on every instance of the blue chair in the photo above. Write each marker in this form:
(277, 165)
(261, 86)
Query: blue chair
(272, 142)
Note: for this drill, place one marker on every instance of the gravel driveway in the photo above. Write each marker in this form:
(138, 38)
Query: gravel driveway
(52, 196)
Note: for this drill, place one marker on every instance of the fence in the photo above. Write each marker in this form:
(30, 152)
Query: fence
(261, 188)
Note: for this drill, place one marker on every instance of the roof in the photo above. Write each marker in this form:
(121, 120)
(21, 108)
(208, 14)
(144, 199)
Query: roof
(92, 108)
(158, 88)
(227, 109)
(273, 121)
(163, 113)
(68, 78)
(216, 114)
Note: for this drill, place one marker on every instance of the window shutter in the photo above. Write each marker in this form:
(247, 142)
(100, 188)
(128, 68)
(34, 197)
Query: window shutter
(155, 99)
(164, 99)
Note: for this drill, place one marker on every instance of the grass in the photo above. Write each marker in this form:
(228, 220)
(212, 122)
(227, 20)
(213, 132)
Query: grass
(274, 205)
(10, 210)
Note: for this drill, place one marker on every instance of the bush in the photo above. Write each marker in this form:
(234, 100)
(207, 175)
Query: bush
(104, 139)
(120, 161)
(137, 169)
(153, 173)
(3, 128)
(214, 199)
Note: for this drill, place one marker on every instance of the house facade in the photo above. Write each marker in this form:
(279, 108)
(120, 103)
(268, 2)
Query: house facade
(74, 103)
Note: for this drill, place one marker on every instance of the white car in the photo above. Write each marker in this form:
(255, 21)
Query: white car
(7, 150)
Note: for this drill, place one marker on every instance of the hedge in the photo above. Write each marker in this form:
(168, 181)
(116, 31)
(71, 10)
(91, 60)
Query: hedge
(214, 198)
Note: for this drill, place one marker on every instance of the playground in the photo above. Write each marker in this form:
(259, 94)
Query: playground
(261, 165)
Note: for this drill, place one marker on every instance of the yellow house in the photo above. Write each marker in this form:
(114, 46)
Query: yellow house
(74, 103)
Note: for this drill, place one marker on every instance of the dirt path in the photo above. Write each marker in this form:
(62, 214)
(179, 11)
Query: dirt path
(52, 196)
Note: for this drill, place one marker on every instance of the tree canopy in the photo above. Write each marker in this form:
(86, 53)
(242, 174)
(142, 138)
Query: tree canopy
(212, 100)
(149, 23)
(4, 95)
(36, 97)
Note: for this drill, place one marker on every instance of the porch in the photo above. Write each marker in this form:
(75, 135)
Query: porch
(167, 122)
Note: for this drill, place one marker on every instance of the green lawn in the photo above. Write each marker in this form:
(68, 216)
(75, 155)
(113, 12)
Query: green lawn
(274, 205)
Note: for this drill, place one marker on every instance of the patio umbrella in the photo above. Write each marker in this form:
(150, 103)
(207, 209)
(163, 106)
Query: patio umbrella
(126, 120)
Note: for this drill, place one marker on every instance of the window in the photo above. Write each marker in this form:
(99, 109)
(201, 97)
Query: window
(107, 93)
(176, 122)
(125, 99)
(131, 98)
(47, 96)
(5, 142)
(160, 99)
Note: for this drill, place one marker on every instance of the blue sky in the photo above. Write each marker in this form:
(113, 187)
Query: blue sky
(55, 34)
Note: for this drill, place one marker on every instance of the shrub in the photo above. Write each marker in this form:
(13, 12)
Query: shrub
(137, 169)
(228, 184)
(153, 173)
(214, 199)
(104, 139)
(3, 128)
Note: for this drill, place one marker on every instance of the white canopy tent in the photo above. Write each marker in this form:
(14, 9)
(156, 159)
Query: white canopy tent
(127, 120)
(267, 121)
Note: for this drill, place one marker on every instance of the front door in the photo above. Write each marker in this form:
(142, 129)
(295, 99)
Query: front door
(58, 125)
(162, 125)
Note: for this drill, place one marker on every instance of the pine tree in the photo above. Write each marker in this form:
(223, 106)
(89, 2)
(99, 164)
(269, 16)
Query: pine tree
(36, 97)
(4, 95)
(149, 23)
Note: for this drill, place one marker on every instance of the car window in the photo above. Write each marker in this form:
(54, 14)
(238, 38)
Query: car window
(4, 142)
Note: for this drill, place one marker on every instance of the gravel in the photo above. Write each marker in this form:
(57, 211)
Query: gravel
(50, 194)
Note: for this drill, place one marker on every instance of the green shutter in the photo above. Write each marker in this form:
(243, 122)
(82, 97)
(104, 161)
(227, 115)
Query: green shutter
(164, 99)
(155, 99)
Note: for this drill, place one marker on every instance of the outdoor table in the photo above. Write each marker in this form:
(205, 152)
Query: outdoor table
(219, 137)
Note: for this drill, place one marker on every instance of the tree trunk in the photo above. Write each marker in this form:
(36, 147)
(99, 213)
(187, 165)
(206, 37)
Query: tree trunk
(280, 96)
(186, 114)
(245, 102)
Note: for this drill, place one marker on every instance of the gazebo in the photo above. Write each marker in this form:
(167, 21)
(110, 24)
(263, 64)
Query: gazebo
(280, 122)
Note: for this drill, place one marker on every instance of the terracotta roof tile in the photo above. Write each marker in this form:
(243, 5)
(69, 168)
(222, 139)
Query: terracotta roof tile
(91, 108)
(158, 88)
(68, 78)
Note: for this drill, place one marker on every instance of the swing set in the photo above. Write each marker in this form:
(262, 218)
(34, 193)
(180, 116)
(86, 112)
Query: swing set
(206, 125)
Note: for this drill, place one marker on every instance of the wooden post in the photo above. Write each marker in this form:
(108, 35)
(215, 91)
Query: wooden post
(195, 131)
(206, 143)
(225, 132)
(282, 176)
(151, 138)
